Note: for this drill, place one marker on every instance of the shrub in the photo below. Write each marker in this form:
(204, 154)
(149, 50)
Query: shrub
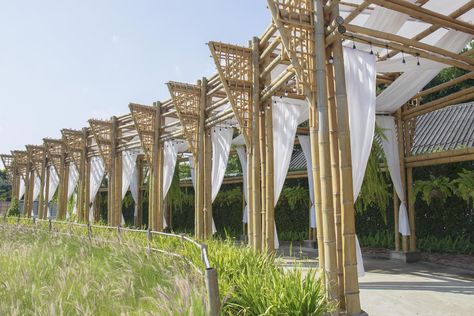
(14, 209)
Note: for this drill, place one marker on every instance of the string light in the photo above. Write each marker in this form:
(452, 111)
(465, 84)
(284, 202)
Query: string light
(388, 53)
(403, 58)
(417, 59)
(353, 43)
(331, 60)
(371, 50)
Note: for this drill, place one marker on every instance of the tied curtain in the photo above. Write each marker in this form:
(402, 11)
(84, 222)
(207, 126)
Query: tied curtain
(129, 162)
(390, 147)
(53, 186)
(306, 147)
(243, 162)
(360, 75)
(221, 139)
(36, 191)
(287, 115)
(21, 189)
(97, 172)
(71, 186)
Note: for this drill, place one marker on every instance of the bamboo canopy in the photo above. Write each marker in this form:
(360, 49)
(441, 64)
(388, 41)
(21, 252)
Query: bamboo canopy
(300, 57)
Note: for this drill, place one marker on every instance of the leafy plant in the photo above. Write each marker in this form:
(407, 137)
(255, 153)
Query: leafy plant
(14, 209)
(464, 186)
(437, 188)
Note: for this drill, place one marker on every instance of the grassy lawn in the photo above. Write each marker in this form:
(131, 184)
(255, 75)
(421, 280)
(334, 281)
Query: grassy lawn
(44, 274)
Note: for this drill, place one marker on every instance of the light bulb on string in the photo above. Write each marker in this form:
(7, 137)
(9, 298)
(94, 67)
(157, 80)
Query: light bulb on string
(371, 50)
(403, 58)
(418, 59)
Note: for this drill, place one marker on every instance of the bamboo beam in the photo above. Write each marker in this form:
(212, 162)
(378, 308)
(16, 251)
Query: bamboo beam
(450, 83)
(408, 42)
(426, 15)
(351, 288)
(406, 49)
(454, 98)
(319, 129)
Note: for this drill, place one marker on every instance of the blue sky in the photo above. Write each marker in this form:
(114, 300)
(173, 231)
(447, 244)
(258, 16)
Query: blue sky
(65, 61)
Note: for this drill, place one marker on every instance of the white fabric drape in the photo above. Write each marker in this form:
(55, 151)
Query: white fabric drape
(170, 157)
(286, 117)
(221, 139)
(97, 172)
(21, 189)
(242, 154)
(192, 170)
(72, 180)
(36, 191)
(360, 86)
(53, 186)
(390, 147)
(129, 162)
(306, 147)
(415, 78)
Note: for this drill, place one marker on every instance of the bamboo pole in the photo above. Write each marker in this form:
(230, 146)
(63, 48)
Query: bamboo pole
(255, 148)
(46, 194)
(87, 178)
(411, 209)
(336, 184)
(29, 197)
(319, 119)
(42, 186)
(351, 283)
(63, 184)
(207, 151)
(199, 174)
(401, 153)
(396, 207)
(158, 173)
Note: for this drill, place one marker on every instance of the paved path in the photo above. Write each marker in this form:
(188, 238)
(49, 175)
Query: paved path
(393, 288)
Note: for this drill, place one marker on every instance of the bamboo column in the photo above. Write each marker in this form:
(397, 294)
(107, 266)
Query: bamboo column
(63, 185)
(199, 174)
(319, 110)
(83, 176)
(155, 209)
(29, 197)
(112, 177)
(411, 209)
(42, 187)
(336, 184)
(87, 178)
(351, 282)
(401, 153)
(207, 172)
(396, 207)
(46, 193)
(255, 152)
(118, 190)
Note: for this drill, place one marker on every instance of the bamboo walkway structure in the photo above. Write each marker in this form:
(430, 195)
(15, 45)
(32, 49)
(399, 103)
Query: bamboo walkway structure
(305, 38)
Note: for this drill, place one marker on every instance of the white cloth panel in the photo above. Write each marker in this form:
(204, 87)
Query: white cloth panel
(415, 78)
(221, 139)
(36, 187)
(192, 170)
(72, 180)
(21, 189)
(97, 172)
(169, 164)
(243, 162)
(286, 117)
(390, 147)
(53, 186)
(360, 86)
(129, 162)
(135, 189)
(306, 147)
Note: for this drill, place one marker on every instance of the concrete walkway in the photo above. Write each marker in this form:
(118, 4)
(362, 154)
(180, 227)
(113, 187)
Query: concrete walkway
(393, 288)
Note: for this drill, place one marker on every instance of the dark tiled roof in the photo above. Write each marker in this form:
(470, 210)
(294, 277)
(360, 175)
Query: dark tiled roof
(298, 161)
(446, 129)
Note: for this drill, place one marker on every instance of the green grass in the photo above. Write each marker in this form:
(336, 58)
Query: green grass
(61, 275)
(249, 283)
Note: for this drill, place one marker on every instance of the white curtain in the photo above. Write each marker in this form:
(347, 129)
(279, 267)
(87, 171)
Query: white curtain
(21, 189)
(287, 114)
(360, 86)
(306, 147)
(53, 186)
(192, 170)
(129, 162)
(242, 154)
(97, 172)
(415, 78)
(36, 191)
(390, 147)
(71, 186)
(221, 139)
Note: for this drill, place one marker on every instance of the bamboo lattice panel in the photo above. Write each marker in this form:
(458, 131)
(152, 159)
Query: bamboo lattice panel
(102, 131)
(295, 22)
(8, 164)
(74, 141)
(54, 152)
(144, 118)
(187, 102)
(20, 160)
(36, 156)
(234, 65)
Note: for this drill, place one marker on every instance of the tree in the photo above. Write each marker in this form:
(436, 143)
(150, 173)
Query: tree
(5, 186)
(14, 209)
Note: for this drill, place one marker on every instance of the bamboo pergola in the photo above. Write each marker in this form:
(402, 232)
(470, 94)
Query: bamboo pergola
(304, 42)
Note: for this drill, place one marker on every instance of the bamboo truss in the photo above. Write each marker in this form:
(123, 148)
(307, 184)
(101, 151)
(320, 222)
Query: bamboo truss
(304, 43)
